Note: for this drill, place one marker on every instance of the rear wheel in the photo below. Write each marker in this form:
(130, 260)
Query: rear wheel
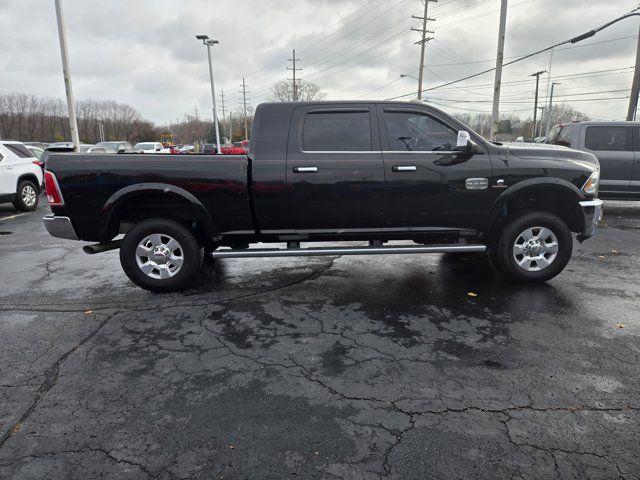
(533, 248)
(160, 255)
(26, 197)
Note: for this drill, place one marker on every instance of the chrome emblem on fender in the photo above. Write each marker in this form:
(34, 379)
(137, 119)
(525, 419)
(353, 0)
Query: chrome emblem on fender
(477, 183)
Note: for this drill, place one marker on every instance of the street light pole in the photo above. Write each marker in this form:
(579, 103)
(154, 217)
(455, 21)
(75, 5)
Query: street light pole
(549, 110)
(71, 104)
(209, 43)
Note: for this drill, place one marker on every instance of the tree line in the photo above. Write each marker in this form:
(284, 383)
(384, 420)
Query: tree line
(32, 118)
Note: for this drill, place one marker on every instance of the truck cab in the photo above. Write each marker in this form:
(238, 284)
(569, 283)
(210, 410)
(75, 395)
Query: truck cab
(616, 145)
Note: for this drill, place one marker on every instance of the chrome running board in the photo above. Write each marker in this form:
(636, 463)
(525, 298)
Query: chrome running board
(323, 251)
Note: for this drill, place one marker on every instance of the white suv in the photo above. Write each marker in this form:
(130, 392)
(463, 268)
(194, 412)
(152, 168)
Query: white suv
(20, 176)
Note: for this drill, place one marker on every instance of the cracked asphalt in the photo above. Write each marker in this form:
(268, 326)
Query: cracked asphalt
(341, 367)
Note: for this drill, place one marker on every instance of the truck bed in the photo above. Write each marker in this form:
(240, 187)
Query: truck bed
(92, 183)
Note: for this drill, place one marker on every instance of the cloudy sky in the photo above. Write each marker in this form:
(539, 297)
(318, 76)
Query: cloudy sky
(144, 53)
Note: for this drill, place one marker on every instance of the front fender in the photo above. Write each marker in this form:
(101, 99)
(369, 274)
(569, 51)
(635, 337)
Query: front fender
(111, 207)
(521, 188)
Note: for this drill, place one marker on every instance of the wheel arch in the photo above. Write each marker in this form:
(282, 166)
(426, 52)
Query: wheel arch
(553, 195)
(29, 176)
(115, 207)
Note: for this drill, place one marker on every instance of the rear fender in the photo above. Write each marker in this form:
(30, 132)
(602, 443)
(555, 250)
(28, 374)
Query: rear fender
(111, 209)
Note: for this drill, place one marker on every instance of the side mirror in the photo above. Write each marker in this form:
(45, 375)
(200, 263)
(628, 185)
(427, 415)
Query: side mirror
(465, 144)
(464, 139)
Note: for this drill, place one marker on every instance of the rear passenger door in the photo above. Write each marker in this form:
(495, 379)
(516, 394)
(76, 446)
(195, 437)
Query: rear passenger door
(613, 146)
(335, 173)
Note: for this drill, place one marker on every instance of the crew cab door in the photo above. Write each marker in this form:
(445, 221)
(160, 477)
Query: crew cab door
(612, 145)
(429, 184)
(335, 174)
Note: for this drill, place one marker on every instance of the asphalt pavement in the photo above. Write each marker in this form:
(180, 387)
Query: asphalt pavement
(406, 367)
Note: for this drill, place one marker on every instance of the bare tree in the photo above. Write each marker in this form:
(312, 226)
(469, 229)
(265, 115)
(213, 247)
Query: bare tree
(283, 91)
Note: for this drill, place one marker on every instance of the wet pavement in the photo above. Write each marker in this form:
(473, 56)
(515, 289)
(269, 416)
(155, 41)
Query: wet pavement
(344, 367)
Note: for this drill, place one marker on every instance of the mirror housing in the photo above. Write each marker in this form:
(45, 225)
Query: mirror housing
(465, 144)
(463, 139)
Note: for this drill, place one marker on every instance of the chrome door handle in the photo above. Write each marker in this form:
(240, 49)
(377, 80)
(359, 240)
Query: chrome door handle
(305, 169)
(404, 168)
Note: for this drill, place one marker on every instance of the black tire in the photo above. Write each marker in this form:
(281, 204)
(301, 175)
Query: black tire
(27, 196)
(188, 249)
(504, 256)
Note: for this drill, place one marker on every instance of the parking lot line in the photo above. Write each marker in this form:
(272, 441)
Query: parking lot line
(12, 216)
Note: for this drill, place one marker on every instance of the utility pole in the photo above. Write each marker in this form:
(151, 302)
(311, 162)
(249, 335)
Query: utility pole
(635, 86)
(195, 110)
(535, 104)
(423, 41)
(549, 111)
(244, 108)
(224, 109)
(66, 71)
(294, 70)
(495, 113)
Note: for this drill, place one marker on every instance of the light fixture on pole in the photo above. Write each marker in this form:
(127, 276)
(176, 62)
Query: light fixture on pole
(406, 75)
(208, 42)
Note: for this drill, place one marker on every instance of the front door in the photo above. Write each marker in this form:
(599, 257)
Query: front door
(612, 145)
(430, 185)
(335, 173)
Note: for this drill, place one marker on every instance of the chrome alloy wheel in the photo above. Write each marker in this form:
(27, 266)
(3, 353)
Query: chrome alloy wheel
(535, 249)
(28, 195)
(159, 256)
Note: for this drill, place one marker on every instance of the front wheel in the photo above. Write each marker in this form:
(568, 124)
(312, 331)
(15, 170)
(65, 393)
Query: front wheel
(533, 248)
(160, 255)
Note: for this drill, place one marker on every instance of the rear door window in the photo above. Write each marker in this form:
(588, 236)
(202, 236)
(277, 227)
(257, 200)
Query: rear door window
(612, 138)
(337, 131)
(20, 150)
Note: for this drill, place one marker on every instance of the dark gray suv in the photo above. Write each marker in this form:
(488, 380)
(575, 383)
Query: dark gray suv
(617, 147)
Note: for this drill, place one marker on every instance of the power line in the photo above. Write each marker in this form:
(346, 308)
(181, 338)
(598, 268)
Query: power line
(575, 39)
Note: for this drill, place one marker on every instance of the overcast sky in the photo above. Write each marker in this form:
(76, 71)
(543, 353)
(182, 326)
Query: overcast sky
(144, 52)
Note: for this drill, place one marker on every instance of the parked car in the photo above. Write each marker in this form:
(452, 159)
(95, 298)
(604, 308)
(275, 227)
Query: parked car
(616, 145)
(209, 149)
(332, 171)
(150, 147)
(186, 149)
(117, 146)
(37, 151)
(20, 176)
(95, 149)
(41, 145)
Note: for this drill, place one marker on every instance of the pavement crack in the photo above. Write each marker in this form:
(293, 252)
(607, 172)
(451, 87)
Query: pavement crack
(51, 377)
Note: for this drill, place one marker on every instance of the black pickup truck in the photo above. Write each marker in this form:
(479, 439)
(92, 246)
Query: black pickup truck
(377, 172)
